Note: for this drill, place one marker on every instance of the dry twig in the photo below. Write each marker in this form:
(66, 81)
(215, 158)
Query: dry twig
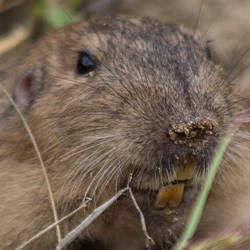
(86, 222)
(150, 241)
(11, 4)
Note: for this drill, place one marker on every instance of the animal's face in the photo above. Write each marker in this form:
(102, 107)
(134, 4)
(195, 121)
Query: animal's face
(129, 97)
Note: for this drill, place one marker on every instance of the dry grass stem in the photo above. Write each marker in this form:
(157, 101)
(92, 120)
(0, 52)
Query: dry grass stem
(38, 235)
(40, 160)
(16, 36)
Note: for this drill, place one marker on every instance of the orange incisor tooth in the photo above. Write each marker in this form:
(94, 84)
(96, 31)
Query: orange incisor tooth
(170, 196)
(184, 173)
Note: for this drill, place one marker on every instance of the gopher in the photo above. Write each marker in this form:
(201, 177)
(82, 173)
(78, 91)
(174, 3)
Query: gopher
(111, 99)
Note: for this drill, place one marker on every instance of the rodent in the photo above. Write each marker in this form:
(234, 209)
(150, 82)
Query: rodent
(107, 99)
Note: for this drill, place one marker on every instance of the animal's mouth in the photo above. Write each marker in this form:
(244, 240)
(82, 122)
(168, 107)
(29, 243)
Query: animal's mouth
(172, 189)
(171, 195)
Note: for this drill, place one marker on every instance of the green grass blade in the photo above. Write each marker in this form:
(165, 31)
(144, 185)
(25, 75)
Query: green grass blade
(200, 202)
(57, 17)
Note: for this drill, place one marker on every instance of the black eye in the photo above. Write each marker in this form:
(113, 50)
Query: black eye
(85, 63)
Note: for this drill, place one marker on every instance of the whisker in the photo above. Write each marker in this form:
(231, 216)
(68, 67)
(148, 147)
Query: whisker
(111, 170)
(99, 177)
(95, 177)
(90, 143)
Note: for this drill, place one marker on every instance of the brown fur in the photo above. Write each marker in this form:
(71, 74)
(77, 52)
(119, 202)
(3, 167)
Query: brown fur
(93, 130)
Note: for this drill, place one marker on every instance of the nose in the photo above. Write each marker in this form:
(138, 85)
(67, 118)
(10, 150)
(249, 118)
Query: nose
(196, 131)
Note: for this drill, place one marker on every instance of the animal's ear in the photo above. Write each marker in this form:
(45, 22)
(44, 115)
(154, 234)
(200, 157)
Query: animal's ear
(24, 89)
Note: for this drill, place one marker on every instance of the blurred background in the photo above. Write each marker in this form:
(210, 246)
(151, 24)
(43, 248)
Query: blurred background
(226, 23)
